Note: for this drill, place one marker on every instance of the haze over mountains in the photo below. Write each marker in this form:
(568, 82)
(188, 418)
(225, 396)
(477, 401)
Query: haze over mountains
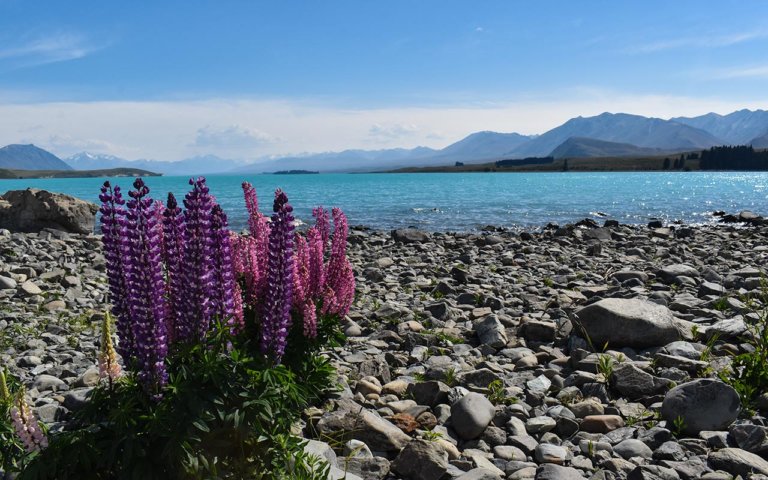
(604, 135)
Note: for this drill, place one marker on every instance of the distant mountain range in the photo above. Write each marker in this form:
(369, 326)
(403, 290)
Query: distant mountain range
(191, 166)
(604, 135)
(30, 157)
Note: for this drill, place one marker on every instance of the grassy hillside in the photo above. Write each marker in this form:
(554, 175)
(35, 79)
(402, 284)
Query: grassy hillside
(601, 164)
(110, 172)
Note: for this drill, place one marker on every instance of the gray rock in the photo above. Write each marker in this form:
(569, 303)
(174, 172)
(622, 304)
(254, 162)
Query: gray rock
(653, 472)
(491, 332)
(321, 450)
(630, 323)
(421, 460)
(374, 468)
(479, 474)
(410, 235)
(548, 453)
(749, 437)
(635, 383)
(703, 404)
(30, 288)
(361, 424)
(737, 462)
(631, 448)
(550, 471)
(471, 415)
(48, 382)
(7, 283)
(33, 210)
(672, 272)
(429, 393)
(76, 399)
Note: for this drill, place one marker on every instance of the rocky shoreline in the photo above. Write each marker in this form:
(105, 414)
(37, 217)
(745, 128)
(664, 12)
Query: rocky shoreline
(572, 352)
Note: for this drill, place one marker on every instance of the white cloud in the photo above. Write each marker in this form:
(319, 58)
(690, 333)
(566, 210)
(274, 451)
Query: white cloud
(760, 71)
(57, 47)
(233, 137)
(67, 145)
(172, 130)
(389, 132)
(702, 40)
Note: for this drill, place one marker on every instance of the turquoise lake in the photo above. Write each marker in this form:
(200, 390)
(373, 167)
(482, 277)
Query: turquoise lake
(465, 202)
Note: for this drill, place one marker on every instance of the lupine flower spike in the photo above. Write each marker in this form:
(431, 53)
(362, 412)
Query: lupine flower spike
(198, 266)
(26, 425)
(114, 240)
(5, 395)
(277, 308)
(173, 239)
(146, 288)
(108, 366)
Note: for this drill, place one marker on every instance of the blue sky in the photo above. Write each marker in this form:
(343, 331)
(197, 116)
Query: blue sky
(244, 80)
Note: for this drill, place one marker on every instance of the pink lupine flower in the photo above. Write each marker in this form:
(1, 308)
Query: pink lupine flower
(26, 425)
(322, 223)
(340, 279)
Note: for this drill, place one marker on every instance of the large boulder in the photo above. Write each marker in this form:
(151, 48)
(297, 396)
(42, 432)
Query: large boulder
(361, 424)
(421, 460)
(636, 323)
(33, 210)
(702, 404)
(410, 235)
(737, 462)
(471, 415)
(634, 383)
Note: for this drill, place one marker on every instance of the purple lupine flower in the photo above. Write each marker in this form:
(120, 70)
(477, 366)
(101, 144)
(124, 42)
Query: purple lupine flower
(322, 223)
(223, 287)
(277, 308)
(113, 229)
(197, 269)
(340, 279)
(146, 288)
(173, 226)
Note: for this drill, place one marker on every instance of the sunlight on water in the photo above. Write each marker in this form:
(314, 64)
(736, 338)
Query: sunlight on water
(470, 201)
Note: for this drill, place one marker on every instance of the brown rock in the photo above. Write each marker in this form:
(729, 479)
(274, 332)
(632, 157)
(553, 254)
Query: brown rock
(404, 422)
(601, 423)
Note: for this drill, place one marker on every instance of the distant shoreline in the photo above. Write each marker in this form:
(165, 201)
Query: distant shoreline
(12, 174)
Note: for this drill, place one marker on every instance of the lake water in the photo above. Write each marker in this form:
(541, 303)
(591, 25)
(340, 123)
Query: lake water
(468, 201)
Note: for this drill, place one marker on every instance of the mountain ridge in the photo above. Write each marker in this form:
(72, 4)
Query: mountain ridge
(621, 134)
(30, 157)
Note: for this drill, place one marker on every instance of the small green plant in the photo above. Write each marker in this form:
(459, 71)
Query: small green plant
(444, 337)
(498, 395)
(721, 304)
(431, 435)
(678, 426)
(548, 282)
(749, 371)
(450, 377)
(420, 376)
(605, 364)
(437, 294)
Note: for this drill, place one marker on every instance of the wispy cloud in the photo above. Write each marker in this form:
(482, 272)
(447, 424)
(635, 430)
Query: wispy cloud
(232, 137)
(759, 71)
(392, 131)
(59, 47)
(703, 40)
